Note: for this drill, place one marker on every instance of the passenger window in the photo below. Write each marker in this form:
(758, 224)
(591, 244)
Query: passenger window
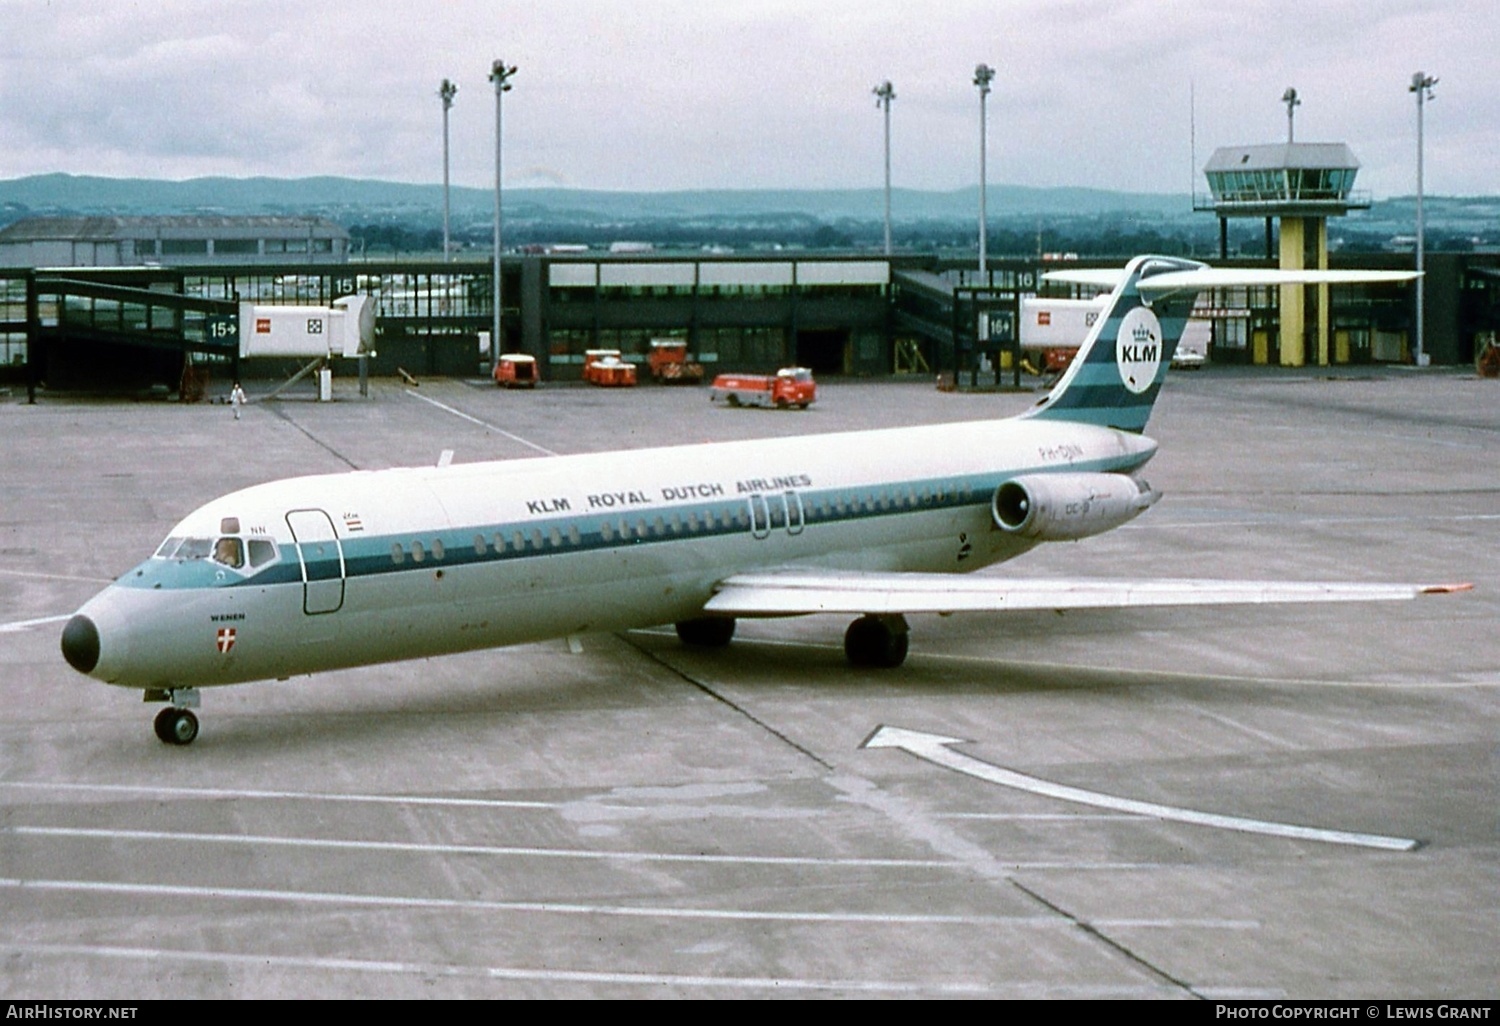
(606, 531)
(398, 554)
(437, 548)
(573, 536)
(480, 547)
(417, 552)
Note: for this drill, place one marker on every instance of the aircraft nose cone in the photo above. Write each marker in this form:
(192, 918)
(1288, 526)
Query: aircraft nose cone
(80, 644)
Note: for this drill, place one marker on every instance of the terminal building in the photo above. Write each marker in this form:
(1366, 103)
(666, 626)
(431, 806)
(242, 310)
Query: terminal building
(130, 241)
(854, 314)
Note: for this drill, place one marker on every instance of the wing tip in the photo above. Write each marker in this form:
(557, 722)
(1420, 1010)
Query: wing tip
(1445, 589)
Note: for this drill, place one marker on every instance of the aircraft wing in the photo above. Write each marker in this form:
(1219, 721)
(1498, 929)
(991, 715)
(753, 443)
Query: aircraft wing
(792, 592)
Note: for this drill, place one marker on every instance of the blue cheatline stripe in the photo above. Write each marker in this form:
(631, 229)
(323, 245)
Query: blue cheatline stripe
(372, 556)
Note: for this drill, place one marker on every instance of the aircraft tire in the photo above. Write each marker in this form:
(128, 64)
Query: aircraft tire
(176, 726)
(706, 632)
(876, 642)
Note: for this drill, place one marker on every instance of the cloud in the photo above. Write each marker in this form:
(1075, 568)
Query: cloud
(661, 94)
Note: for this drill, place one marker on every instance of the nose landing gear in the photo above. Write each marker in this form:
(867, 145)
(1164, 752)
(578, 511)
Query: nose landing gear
(176, 724)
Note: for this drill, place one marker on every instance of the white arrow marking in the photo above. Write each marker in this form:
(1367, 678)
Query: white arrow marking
(935, 748)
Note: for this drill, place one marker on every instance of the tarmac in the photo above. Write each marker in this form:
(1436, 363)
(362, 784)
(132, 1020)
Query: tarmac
(1226, 803)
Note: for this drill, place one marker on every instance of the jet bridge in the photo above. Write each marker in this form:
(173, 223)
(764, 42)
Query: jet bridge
(84, 332)
(966, 321)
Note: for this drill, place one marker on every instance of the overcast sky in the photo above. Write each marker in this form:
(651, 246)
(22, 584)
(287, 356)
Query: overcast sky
(731, 94)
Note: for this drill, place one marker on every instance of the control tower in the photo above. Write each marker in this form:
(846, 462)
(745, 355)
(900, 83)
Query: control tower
(1303, 184)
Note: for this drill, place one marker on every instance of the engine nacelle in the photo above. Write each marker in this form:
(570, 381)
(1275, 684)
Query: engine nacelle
(1064, 507)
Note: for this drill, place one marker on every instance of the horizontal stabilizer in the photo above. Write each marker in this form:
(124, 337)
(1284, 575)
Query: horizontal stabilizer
(795, 592)
(1151, 286)
(1101, 277)
(1250, 277)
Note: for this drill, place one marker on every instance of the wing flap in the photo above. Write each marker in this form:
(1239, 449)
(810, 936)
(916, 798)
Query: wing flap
(808, 591)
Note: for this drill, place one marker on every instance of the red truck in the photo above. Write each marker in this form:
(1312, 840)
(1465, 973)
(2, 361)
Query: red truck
(669, 363)
(788, 387)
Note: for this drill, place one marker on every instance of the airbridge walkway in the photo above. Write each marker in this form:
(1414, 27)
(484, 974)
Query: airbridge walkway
(79, 329)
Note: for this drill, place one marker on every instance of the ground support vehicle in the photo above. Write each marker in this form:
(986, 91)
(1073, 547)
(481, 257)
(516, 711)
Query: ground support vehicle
(788, 387)
(670, 365)
(516, 370)
(604, 367)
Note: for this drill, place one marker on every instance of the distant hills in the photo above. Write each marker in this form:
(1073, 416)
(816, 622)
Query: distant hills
(403, 216)
(80, 194)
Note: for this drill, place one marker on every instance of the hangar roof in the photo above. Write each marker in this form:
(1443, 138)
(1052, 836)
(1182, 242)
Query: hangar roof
(104, 229)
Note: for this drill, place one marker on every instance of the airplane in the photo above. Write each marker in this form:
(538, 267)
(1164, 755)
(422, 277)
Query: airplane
(341, 570)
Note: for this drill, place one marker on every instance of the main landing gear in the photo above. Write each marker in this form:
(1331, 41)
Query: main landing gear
(876, 641)
(871, 642)
(176, 724)
(706, 632)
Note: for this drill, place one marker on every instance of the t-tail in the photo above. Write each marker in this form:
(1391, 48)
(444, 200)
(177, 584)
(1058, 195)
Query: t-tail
(1114, 379)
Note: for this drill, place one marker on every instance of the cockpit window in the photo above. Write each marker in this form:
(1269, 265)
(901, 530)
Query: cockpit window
(230, 552)
(194, 548)
(167, 548)
(262, 551)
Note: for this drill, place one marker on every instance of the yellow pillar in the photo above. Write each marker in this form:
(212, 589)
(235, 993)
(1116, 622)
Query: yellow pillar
(1320, 236)
(1293, 337)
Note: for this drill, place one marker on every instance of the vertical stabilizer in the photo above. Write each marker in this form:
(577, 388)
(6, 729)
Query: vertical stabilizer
(1114, 379)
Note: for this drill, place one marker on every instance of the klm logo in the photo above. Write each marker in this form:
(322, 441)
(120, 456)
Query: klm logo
(1138, 350)
(1142, 347)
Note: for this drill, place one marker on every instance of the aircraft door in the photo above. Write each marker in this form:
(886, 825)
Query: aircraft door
(794, 515)
(760, 517)
(321, 558)
(776, 513)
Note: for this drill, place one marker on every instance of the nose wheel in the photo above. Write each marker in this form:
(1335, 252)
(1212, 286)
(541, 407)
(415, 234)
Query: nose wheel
(176, 724)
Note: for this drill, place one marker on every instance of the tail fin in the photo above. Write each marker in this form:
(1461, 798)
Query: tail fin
(1114, 379)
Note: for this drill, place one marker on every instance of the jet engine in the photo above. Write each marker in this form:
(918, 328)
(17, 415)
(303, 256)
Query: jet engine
(1065, 507)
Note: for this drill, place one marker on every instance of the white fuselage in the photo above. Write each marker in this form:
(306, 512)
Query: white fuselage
(372, 566)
